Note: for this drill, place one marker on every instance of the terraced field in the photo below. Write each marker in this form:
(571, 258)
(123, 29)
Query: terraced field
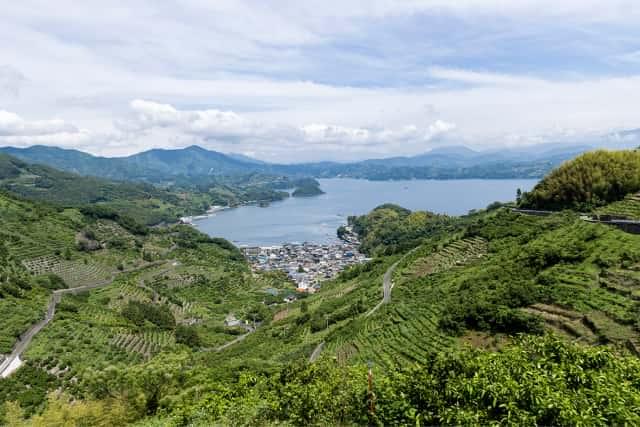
(458, 253)
(125, 292)
(629, 207)
(404, 331)
(565, 322)
(623, 282)
(607, 301)
(145, 344)
(24, 248)
(74, 273)
(406, 336)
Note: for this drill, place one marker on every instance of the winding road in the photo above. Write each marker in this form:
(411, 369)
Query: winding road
(12, 362)
(316, 352)
(232, 342)
(387, 286)
(387, 283)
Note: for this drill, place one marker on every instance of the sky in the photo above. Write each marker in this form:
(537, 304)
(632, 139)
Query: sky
(319, 80)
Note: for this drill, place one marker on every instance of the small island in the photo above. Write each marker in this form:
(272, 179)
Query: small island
(307, 187)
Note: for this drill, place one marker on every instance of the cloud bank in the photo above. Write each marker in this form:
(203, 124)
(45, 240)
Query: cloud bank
(300, 81)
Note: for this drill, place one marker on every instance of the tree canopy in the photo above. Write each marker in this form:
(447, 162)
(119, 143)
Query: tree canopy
(588, 181)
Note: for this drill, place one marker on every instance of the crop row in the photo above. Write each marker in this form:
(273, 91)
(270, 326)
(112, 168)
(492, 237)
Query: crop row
(145, 344)
(459, 252)
(629, 207)
(408, 336)
(74, 273)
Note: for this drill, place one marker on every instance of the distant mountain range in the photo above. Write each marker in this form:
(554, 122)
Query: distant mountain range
(160, 165)
(154, 165)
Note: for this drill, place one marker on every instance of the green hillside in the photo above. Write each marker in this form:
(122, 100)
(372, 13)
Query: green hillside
(493, 317)
(145, 203)
(166, 290)
(154, 165)
(163, 165)
(591, 180)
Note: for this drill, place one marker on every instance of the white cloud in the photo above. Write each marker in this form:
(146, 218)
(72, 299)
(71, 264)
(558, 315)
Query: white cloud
(323, 133)
(593, 10)
(309, 80)
(13, 125)
(439, 127)
(210, 123)
(16, 131)
(78, 140)
(228, 127)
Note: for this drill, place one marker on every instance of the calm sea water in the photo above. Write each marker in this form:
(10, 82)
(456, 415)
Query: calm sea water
(315, 219)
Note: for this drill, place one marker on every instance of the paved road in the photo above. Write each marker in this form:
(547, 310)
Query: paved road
(316, 352)
(387, 283)
(237, 340)
(25, 338)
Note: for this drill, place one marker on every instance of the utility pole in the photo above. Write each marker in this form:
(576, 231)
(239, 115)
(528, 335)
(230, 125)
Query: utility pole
(371, 395)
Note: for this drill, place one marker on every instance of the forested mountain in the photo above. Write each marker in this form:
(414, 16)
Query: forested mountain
(156, 165)
(492, 317)
(143, 202)
(161, 166)
(591, 180)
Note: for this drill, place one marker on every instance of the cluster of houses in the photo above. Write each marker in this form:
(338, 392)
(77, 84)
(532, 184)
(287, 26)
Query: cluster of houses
(307, 264)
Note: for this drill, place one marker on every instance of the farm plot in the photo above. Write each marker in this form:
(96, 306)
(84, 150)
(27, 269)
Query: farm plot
(564, 322)
(145, 344)
(458, 253)
(74, 273)
(71, 341)
(623, 282)
(123, 292)
(587, 292)
(24, 248)
(613, 331)
(407, 336)
(105, 230)
(629, 207)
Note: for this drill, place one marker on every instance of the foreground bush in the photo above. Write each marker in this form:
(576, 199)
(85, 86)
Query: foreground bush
(535, 381)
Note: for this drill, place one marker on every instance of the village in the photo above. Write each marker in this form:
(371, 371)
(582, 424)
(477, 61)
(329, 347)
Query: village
(307, 264)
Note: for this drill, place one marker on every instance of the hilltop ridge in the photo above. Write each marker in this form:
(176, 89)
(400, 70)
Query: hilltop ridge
(160, 165)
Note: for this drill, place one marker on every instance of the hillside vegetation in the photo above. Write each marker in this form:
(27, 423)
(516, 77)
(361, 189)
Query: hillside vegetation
(161, 166)
(391, 229)
(163, 290)
(493, 317)
(143, 202)
(588, 181)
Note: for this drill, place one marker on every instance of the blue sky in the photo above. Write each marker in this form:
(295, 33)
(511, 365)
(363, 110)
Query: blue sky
(336, 80)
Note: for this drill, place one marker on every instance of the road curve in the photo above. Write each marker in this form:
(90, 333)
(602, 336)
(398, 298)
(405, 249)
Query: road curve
(232, 342)
(316, 352)
(56, 296)
(387, 283)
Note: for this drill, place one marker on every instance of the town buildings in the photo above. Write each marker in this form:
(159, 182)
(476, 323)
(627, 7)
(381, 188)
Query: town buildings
(307, 264)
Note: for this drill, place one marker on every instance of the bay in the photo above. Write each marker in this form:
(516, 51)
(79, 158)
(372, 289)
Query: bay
(315, 219)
